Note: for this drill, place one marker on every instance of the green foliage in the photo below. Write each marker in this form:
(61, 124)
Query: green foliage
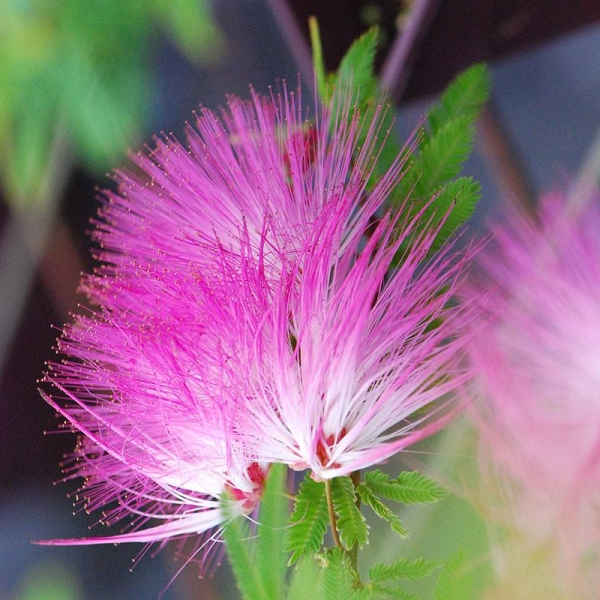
(442, 148)
(339, 578)
(239, 551)
(49, 581)
(309, 520)
(460, 195)
(410, 487)
(381, 510)
(78, 79)
(269, 546)
(190, 25)
(351, 523)
(317, 53)
(442, 156)
(442, 151)
(457, 580)
(306, 578)
(259, 561)
(404, 568)
(464, 97)
(391, 592)
(356, 71)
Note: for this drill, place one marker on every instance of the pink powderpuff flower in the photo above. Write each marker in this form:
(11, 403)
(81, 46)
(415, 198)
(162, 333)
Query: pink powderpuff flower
(359, 358)
(242, 316)
(538, 410)
(155, 397)
(261, 165)
(151, 377)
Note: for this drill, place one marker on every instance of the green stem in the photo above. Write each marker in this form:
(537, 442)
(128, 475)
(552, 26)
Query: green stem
(332, 517)
(317, 53)
(353, 553)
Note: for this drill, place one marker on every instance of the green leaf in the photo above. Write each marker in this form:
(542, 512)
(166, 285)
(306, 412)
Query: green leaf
(381, 510)
(270, 557)
(306, 578)
(317, 54)
(101, 119)
(50, 581)
(26, 144)
(351, 523)
(411, 570)
(239, 551)
(442, 156)
(464, 97)
(309, 520)
(389, 592)
(356, 75)
(457, 580)
(190, 24)
(462, 195)
(384, 591)
(409, 488)
(338, 579)
(357, 68)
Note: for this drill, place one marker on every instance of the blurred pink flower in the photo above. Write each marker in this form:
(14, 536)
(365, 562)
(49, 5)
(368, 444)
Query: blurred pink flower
(538, 410)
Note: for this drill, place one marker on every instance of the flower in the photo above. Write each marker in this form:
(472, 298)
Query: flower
(153, 394)
(261, 166)
(538, 410)
(246, 311)
(358, 358)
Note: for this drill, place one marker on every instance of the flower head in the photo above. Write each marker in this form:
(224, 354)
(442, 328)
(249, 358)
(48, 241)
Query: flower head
(155, 395)
(261, 167)
(247, 311)
(357, 356)
(538, 409)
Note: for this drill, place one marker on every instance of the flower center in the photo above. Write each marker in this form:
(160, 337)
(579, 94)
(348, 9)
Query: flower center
(248, 500)
(324, 447)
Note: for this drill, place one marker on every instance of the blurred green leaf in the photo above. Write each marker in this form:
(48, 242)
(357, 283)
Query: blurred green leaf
(31, 135)
(81, 67)
(404, 568)
(238, 542)
(457, 580)
(190, 24)
(317, 54)
(410, 487)
(51, 581)
(270, 557)
(306, 578)
(397, 593)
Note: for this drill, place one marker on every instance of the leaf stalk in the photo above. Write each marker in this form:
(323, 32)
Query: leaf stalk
(332, 517)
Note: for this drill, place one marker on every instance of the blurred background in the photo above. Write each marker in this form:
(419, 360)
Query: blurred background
(82, 81)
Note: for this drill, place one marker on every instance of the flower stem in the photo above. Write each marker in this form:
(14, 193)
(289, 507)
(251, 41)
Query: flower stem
(332, 518)
(353, 553)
